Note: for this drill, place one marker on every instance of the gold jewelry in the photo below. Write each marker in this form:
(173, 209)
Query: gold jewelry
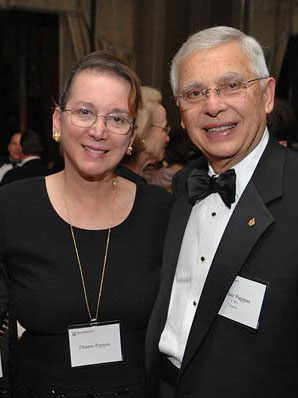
(129, 150)
(104, 260)
(143, 140)
(56, 135)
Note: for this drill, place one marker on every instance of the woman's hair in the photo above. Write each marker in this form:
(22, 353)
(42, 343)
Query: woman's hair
(104, 62)
(180, 150)
(213, 37)
(150, 98)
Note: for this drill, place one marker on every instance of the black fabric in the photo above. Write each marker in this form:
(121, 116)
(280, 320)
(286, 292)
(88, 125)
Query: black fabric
(46, 292)
(200, 185)
(125, 172)
(32, 168)
(224, 358)
(8, 160)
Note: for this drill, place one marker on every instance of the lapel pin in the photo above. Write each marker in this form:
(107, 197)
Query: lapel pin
(251, 222)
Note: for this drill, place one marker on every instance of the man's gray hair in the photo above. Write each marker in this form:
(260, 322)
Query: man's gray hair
(213, 37)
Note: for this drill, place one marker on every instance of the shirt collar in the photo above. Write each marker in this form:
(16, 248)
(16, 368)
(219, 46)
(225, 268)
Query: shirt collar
(246, 167)
(28, 159)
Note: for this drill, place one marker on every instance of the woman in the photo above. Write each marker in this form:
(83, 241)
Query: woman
(82, 247)
(152, 136)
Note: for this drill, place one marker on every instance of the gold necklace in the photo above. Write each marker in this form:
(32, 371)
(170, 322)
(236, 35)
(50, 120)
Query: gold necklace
(104, 260)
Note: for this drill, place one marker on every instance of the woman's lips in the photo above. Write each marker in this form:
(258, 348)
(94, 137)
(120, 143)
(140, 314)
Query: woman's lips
(95, 151)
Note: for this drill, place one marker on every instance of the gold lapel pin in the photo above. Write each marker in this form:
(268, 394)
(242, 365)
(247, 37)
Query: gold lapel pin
(251, 222)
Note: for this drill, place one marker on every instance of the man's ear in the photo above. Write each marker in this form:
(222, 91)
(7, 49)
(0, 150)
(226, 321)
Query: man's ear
(182, 122)
(269, 93)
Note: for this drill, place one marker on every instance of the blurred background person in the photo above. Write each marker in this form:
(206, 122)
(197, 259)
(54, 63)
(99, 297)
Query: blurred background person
(83, 247)
(283, 124)
(152, 135)
(31, 164)
(13, 156)
(179, 152)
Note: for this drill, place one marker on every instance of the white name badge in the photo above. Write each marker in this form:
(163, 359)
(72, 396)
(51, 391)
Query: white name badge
(95, 344)
(1, 373)
(243, 303)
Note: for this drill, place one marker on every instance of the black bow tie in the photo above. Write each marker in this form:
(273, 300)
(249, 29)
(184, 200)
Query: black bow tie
(14, 163)
(200, 185)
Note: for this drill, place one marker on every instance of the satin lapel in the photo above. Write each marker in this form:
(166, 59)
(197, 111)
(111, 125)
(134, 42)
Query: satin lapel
(177, 224)
(236, 244)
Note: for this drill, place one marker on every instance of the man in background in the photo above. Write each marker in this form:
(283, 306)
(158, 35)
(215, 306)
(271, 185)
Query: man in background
(31, 164)
(14, 154)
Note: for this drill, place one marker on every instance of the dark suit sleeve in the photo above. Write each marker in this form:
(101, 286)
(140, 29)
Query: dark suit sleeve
(8, 177)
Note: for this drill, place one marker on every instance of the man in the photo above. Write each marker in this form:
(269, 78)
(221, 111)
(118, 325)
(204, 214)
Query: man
(31, 164)
(225, 323)
(14, 154)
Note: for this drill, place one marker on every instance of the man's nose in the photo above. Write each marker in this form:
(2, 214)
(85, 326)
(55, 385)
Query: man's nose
(213, 103)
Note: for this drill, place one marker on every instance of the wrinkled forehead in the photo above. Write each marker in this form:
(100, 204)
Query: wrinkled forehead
(214, 65)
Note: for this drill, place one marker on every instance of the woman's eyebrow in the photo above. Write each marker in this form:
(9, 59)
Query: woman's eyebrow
(122, 111)
(84, 103)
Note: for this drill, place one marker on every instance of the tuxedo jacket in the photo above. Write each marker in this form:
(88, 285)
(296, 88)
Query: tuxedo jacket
(32, 168)
(224, 358)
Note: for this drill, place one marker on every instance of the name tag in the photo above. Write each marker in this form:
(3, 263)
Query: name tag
(243, 303)
(95, 344)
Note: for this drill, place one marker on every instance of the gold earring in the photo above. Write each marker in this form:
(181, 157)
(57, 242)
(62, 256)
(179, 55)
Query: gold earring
(56, 135)
(129, 150)
(143, 140)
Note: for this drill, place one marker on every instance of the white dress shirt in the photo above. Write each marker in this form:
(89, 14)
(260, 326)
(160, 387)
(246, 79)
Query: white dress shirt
(206, 225)
(31, 157)
(4, 169)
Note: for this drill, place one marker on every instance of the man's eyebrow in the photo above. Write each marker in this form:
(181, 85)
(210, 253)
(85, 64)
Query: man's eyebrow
(231, 76)
(193, 84)
(224, 78)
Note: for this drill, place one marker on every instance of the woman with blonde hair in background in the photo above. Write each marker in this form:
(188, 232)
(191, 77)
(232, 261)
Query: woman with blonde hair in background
(152, 136)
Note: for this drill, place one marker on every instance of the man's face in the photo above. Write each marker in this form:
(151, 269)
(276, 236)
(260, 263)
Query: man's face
(225, 130)
(14, 147)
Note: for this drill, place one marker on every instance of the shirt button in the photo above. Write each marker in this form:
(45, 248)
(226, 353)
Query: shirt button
(194, 303)
(213, 214)
(202, 258)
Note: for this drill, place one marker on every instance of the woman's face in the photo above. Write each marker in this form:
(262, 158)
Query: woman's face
(156, 138)
(94, 151)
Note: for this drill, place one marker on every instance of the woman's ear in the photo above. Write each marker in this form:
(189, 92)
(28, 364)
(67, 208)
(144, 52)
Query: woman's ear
(56, 119)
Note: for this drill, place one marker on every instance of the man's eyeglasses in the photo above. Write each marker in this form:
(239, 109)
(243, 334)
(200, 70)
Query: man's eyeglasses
(115, 123)
(227, 91)
(166, 129)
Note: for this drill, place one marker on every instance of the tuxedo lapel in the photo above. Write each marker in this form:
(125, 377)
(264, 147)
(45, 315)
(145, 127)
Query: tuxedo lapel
(178, 221)
(248, 223)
